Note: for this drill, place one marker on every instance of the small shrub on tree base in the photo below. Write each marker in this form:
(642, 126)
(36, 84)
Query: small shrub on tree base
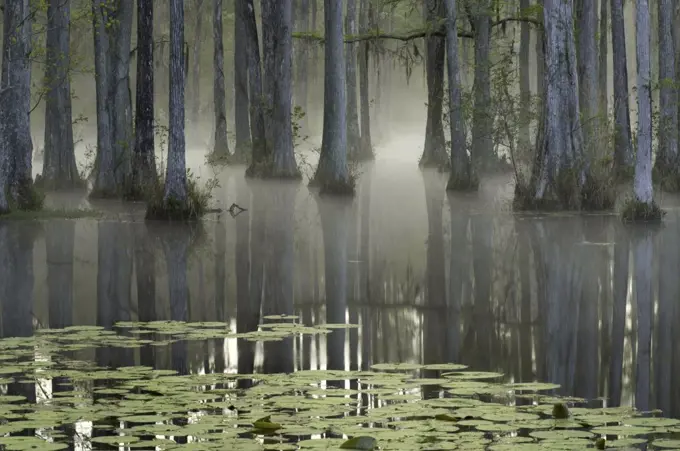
(462, 184)
(337, 188)
(28, 197)
(598, 193)
(265, 170)
(194, 208)
(636, 211)
(44, 184)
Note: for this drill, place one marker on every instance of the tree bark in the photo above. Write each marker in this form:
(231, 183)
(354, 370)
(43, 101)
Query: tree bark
(302, 56)
(277, 43)
(353, 131)
(366, 147)
(60, 169)
(540, 58)
(524, 141)
(176, 174)
(642, 185)
(462, 176)
(434, 151)
(623, 151)
(144, 173)
(332, 173)
(482, 117)
(587, 72)
(667, 156)
(195, 97)
(221, 143)
(105, 181)
(602, 67)
(121, 38)
(242, 146)
(16, 101)
(560, 168)
(260, 152)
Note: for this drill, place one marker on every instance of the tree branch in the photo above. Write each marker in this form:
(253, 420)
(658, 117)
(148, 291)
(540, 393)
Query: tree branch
(439, 30)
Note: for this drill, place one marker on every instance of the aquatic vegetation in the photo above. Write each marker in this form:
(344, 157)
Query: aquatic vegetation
(78, 401)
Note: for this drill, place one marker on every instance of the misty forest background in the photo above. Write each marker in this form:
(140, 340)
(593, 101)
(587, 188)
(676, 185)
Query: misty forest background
(110, 94)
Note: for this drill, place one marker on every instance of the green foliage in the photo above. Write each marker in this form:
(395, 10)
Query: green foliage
(636, 211)
(479, 410)
(28, 197)
(195, 206)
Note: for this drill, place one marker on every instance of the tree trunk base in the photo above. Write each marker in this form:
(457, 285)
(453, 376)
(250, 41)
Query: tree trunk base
(241, 156)
(267, 170)
(598, 193)
(25, 196)
(433, 160)
(334, 187)
(636, 211)
(174, 210)
(462, 183)
(60, 183)
(363, 153)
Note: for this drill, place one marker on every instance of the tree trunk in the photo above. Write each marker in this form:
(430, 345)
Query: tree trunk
(366, 147)
(524, 141)
(642, 186)
(353, 131)
(277, 43)
(434, 152)
(667, 156)
(16, 102)
(623, 151)
(221, 143)
(60, 169)
(560, 170)
(121, 97)
(195, 97)
(242, 147)
(540, 58)
(462, 176)
(587, 72)
(260, 152)
(104, 167)
(332, 173)
(144, 175)
(302, 55)
(482, 117)
(603, 72)
(176, 174)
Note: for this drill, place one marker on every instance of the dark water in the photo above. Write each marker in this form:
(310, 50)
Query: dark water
(583, 301)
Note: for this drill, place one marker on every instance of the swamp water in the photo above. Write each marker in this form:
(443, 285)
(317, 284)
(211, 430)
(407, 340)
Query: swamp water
(125, 334)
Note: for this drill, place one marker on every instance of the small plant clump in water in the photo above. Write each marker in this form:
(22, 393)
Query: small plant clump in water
(171, 209)
(636, 211)
(597, 193)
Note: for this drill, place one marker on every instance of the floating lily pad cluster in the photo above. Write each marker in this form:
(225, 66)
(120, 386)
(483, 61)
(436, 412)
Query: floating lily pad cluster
(392, 406)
